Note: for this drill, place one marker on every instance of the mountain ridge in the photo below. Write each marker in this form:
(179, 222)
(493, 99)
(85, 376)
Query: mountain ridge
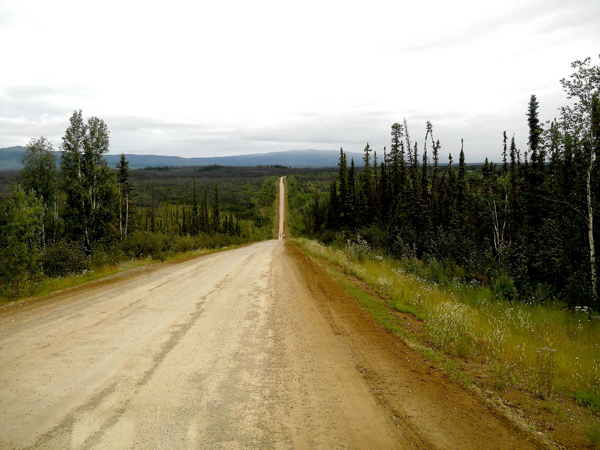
(10, 159)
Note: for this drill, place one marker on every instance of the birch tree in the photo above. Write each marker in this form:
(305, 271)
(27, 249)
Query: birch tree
(584, 86)
(88, 182)
(39, 175)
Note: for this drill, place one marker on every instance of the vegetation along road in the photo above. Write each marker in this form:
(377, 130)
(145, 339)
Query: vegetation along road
(248, 348)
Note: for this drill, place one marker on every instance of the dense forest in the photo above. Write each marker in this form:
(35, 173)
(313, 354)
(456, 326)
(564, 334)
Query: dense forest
(524, 226)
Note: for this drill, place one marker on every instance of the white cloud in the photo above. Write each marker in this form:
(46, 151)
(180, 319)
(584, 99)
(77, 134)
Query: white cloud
(234, 77)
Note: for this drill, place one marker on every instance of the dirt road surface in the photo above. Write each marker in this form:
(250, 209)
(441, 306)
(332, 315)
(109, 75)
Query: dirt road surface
(227, 351)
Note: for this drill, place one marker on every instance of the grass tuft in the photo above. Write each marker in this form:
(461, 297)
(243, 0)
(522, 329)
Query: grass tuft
(590, 399)
(592, 433)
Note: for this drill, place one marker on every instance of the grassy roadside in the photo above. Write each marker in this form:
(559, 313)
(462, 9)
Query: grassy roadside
(50, 285)
(542, 356)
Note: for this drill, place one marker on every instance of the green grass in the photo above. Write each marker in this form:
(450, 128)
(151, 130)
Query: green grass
(542, 348)
(456, 374)
(592, 433)
(404, 308)
(591, 399)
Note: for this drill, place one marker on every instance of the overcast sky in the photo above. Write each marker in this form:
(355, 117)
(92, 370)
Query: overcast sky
(210, 78)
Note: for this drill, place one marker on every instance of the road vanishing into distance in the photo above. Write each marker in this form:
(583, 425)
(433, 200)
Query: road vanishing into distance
(226, 351)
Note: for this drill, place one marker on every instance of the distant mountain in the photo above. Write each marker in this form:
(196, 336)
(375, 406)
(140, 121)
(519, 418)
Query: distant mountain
(10, 158)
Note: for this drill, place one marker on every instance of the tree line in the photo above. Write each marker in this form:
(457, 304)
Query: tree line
(525, 226)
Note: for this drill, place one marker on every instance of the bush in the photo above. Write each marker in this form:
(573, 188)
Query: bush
(106, 255)
(358, 250)
(145, 243)
(504, 288)
(63, 259)
(182, 244)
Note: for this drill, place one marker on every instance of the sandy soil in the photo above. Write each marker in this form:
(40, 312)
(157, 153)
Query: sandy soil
(248, 348)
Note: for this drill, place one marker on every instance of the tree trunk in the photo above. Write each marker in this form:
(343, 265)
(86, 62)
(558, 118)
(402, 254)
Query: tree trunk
(126, 213)
(121, 216)
(590, 223)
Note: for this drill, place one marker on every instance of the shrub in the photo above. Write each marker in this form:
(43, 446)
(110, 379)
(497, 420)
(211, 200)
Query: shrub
(358, 250)
(105, 254)
(182, 244)
(63, 259)
(503, 287)
(145, 243)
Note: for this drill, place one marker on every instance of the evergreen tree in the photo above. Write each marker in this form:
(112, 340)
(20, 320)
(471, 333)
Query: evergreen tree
(216, 218)
(204, 220)
(535, 133)
(343, 182)
(450, 193)
(352, 195)
(333, 210)
(195, 211)
(152, 212)
(127, 192)
(461, 187)
(398, 169)
(366, 189)
(504, 153)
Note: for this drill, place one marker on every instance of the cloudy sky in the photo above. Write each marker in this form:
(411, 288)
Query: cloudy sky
(210, 78)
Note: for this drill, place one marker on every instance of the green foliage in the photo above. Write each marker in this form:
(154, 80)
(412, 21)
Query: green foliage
(20, 242)
(64, 258)
(145, 243)
(88, 182)
(39, 172)
(526, 229)
(39, 175)
(591, 399)
(504, 288)
(126, 195)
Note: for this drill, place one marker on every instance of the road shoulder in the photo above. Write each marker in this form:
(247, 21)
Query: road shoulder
(415, 394)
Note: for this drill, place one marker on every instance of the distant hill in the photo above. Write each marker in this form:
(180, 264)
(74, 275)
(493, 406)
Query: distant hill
(10, 159)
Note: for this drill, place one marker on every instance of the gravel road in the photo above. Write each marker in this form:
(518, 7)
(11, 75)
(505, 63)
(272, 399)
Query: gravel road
(223, 351)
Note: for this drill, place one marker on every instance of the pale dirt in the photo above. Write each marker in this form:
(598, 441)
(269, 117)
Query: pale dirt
(238, 349)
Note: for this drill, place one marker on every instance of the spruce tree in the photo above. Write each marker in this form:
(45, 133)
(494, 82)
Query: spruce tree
(352, 195)
(535, 132)
(204, 220)
(504, 153)
(343, 182)
(216, 217)
(126, 190)
(195, 211)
